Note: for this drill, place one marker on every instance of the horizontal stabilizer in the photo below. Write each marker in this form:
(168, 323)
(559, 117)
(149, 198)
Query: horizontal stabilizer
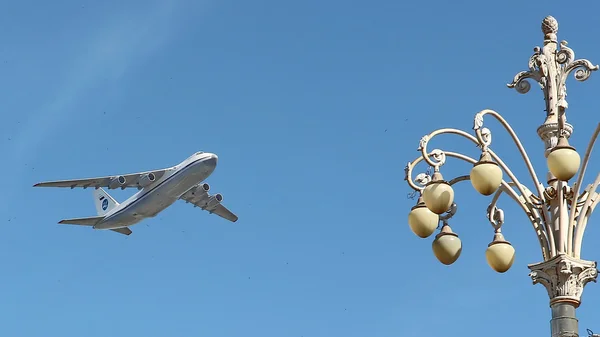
(124, 230)
(91, 221)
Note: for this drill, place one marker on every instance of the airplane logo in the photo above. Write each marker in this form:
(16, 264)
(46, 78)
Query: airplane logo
(158, 189)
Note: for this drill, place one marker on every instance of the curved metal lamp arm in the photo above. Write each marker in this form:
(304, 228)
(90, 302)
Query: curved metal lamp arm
(440, 160)
(493, 206)
(481, 137)
(584, 214)
(577, 186)
(582, 197)
(477, 126)
(504, 185)
(496, 215)
(459, 179)
(449, 214)
(423, 148)
(596, 200)
(421, 178)
(531, 212)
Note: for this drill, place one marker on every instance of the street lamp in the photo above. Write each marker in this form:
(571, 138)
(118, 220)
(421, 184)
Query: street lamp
(558, 211)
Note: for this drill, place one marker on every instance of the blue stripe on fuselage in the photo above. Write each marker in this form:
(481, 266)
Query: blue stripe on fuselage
(154, 188)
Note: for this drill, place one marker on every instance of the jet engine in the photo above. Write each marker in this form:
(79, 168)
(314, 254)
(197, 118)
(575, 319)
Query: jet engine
(146, 179)
(117, 182)
(198, 193)
(213, 201)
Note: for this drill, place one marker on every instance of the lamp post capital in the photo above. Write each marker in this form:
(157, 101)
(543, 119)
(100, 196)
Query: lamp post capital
(564, 278)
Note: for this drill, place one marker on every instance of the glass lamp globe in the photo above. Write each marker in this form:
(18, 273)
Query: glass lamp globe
(563, 161)
(421, 220)
(447, 246)
(486, 175)
(500, 254)
(438, 195)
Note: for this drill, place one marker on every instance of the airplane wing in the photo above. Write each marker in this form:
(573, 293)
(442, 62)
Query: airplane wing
(199, 197)
(136, 180)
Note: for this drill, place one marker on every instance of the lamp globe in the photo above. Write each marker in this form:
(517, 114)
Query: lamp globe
(421, 220)
(563, 161)
(447, 246)
(438, 195)
(500, 254)
(486, 175)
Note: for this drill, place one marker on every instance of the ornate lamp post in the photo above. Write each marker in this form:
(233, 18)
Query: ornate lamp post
(558, 211)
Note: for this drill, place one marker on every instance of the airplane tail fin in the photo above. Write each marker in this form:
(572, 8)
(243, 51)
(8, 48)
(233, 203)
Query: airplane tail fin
(104, 202)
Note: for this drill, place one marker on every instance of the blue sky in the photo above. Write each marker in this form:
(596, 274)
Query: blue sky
(314, 108)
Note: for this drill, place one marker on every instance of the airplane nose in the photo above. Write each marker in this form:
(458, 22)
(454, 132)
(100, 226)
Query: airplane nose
(211, 161)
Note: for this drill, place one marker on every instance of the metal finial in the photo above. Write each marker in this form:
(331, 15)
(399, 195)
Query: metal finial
(549, 26)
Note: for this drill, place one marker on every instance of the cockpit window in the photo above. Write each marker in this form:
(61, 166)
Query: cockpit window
(201, 152)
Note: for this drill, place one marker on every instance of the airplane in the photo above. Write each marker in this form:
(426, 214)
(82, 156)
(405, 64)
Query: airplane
(158, 189)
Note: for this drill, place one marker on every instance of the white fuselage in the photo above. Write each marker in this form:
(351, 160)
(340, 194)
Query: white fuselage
(162, 193)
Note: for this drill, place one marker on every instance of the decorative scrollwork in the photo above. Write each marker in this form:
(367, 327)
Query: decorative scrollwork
(486, 137)
(408, 178)
(541, 62)
(439, 156)
(449, 214)
(496, 216)
(550, 193)
(550, 67)
(533, 59)
(435, 158)
(538, 70)
(423, 143)
(412, 195)
(584, 69)
(478, 121)
(520, 82)
(422, 179)
(407, 171)
(568, 193)
(566, 56)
